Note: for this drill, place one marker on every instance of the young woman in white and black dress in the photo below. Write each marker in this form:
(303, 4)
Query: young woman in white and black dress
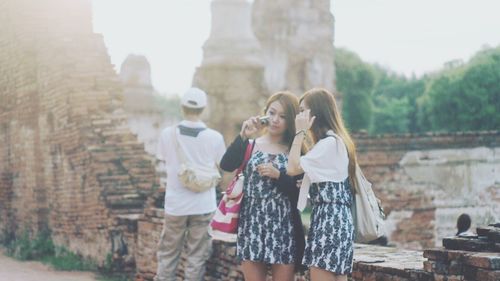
(269, 230)
(329, 168)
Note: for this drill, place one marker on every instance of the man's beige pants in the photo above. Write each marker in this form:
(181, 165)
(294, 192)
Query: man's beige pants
(178, 232)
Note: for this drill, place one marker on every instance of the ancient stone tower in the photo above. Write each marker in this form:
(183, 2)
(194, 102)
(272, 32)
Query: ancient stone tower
(232, 70)
(135, 74)
(296, 37)
(145, 109)
(68, 162)
(282, 45)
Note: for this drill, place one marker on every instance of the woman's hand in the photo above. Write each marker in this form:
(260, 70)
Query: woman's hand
(268, 170)
(250, 127)
(299, 183)
(304, 121)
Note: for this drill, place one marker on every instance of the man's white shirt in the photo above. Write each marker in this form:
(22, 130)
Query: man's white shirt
(206, 149)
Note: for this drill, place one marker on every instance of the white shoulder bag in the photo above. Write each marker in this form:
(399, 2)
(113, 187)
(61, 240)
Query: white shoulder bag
(367, 214)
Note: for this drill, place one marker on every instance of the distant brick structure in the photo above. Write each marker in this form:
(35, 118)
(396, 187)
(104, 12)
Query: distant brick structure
(147, 111)
(426, 181)
(296, 37)
(232, 69)
(68, 162)
(462, 259)
(466, 258)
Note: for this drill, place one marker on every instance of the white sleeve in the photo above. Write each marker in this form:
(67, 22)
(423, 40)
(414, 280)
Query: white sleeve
(327, 160)
(314, 160)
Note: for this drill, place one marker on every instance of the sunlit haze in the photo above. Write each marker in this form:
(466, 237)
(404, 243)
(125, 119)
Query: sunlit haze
(405, 36)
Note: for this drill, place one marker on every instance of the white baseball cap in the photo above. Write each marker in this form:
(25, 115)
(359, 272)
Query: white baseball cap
(194, 98)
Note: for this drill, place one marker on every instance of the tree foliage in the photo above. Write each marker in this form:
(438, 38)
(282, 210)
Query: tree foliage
(457, 98)
(395, 103)
(355, 80)
(467, 97)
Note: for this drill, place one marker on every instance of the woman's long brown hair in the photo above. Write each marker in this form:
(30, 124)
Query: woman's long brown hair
(290, 104)
(322, 105)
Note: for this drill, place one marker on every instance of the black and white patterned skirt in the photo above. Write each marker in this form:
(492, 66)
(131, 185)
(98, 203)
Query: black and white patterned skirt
(265, 231)
(330, 239)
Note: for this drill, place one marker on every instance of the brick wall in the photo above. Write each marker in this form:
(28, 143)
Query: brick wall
(68, 162)
(463, 259)
(426, 181)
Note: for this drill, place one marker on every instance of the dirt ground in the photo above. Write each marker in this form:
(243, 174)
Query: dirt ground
(14, 270)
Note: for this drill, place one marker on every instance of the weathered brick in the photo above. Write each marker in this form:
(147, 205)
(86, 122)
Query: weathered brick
(455, 278)
(484, 260)
(62, 139)
(491, 233)
(470, 272)
(467, 244)
(487, 275)
(444, 254)
(429, 266)
(444, 268)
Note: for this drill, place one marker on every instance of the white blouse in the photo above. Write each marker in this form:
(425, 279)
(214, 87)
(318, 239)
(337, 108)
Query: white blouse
(326, 161)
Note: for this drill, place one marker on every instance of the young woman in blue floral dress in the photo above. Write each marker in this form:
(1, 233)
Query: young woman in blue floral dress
(329, 168)
(269, 229)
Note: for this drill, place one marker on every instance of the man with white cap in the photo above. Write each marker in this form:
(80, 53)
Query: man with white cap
(187, 213)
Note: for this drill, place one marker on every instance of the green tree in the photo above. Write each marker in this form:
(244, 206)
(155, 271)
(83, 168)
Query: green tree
(395, 102)
(458, 98)
(391, 115)
(355, 80)
(466, 97)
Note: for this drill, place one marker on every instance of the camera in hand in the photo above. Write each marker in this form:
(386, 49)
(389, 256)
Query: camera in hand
(264, 120)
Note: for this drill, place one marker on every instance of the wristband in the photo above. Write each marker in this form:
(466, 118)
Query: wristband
(299, 132)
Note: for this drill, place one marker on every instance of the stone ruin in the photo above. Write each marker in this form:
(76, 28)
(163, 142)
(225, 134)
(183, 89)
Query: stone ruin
(421, 213)
(68, 161)
(296, 38)
(256, 50)
(461, 259)
(135, 76)
(425, 181)
(232, 70)
(71, 162)
(146, 110)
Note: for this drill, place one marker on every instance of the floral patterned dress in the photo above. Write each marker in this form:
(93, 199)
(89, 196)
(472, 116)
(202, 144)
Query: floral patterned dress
(331, 233)
(265, 229)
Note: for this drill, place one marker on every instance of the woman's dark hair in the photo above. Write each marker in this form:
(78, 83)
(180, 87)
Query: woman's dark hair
(323, 105)
(290, 104)
(463, 223)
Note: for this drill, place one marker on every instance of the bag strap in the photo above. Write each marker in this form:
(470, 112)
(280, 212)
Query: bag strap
(360, 176)
(248, 154)
(178, 148)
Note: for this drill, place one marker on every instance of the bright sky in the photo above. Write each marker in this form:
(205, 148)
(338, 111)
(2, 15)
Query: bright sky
(407, 36)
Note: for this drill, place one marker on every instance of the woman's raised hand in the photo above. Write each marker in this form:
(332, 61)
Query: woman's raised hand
(250, 127)
(304, 121)
(268, 170)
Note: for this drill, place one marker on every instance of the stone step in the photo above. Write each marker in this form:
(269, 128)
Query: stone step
(127, 211)
(490, 232)
(479, 244)
(440, 257)
(129, 194)
(126, 204)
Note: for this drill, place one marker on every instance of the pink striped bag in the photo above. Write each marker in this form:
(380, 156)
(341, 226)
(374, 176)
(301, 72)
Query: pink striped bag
(224, 224)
